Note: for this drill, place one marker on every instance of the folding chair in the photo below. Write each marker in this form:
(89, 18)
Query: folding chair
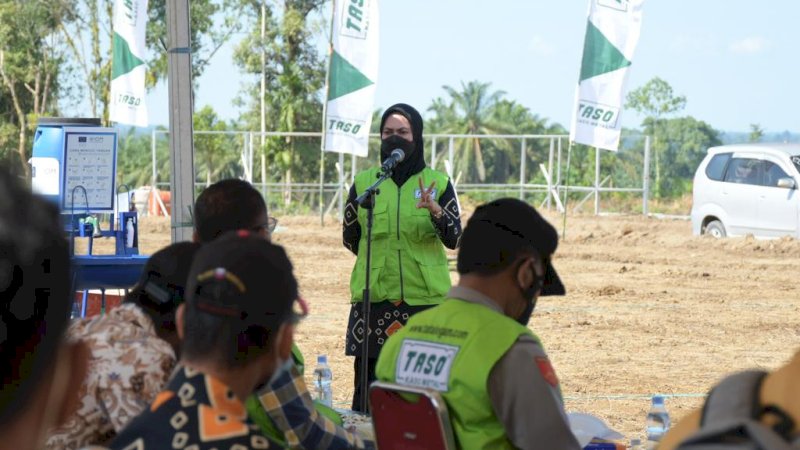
(409, 418)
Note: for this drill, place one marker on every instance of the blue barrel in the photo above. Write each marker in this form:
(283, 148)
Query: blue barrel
(47, 160)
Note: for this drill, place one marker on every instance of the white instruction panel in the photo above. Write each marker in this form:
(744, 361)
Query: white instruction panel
(90, 163)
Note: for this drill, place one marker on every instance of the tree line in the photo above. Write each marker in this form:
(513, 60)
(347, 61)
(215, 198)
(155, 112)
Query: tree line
(56, 55)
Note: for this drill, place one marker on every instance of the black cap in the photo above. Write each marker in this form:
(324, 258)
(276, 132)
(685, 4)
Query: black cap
(242, 275)
(496, 230)
(163, 281)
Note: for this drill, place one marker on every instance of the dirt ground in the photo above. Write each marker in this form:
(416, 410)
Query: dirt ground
(650, 309)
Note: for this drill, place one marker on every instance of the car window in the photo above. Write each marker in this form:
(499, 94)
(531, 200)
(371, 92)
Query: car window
(773, 173)
(744, 171)
(716, 167)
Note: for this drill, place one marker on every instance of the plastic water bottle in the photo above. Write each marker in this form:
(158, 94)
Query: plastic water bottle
(657, 422)
(322, 381)
(129, 233)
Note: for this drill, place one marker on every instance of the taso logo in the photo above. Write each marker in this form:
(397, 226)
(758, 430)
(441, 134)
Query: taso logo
(355, 19)
(619, 5)
(597, 115)
(344, 126)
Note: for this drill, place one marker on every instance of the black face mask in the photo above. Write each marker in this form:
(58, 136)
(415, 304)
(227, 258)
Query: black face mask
(394, 142)
(529, 294)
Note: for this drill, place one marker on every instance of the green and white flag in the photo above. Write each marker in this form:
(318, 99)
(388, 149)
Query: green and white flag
(128, 67)
(352, 74)
(612, 33)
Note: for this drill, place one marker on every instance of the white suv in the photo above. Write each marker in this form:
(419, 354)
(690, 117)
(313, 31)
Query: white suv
(748, 189)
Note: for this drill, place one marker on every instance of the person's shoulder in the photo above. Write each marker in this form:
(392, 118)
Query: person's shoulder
(436, 172)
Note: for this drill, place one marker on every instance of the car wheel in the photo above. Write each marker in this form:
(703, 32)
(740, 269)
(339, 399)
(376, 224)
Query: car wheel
(716, 229)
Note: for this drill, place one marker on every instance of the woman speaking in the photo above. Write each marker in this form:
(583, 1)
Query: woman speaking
(416, 215)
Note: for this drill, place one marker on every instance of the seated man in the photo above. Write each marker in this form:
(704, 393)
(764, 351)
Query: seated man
(133, 351)
(780, 390)
(237, 329)
(284, 408)
(498, 383)
(40, 373)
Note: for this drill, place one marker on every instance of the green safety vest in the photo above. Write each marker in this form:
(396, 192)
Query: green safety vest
(409, 262)
(452, 348)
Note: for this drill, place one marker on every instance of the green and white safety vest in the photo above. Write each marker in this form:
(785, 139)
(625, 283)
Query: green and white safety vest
(408, 259)
(452, 349)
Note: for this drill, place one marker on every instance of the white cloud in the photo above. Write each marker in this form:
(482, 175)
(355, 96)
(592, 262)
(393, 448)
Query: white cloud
(750, 45)
(542, 47)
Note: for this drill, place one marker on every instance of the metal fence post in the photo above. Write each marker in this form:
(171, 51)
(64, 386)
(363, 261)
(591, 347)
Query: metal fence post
(550, 178)
(155, 162)
(433, 152)
(596, 181)
(450, 151)
(522, 170)
(558, 172)
(646, 176)
(340, 191)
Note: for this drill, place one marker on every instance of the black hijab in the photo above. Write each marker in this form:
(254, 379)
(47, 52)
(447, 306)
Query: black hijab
(414, 160)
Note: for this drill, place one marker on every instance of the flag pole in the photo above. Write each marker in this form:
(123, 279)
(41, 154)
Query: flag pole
(325, 119)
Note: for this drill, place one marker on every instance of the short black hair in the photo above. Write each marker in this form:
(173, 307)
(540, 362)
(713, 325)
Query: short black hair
(227, 205)
(34, 292)
(160, 289)
(222, 339)
(240, 290)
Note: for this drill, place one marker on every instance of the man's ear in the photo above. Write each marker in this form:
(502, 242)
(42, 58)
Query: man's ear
(195, 237)
(285, 341)
(179, 322)
(525, 273)
(78, 355)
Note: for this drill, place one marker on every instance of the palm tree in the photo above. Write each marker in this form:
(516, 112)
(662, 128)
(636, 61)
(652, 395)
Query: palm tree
(468, 111)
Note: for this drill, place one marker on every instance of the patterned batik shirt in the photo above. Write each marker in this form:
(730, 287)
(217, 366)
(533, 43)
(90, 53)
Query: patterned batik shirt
(128, 366)
(196, 411)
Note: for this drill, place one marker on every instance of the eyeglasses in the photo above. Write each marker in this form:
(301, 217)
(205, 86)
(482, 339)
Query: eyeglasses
(270, 226)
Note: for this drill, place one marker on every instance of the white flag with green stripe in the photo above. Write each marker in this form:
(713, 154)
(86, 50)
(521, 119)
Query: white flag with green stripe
(352, 74)
(128, 67)
(612, 33)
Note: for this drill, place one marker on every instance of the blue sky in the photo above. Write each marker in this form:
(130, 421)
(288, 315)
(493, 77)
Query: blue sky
(736, 61)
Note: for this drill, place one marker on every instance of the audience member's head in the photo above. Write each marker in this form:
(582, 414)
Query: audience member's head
(161, 288)
(506, 248)
(40, 373)
(239, 315)
(229, 205)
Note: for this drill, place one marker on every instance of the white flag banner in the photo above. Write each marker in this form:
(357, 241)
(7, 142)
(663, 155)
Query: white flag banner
(352, 74)
(612, 33)
(128, 67)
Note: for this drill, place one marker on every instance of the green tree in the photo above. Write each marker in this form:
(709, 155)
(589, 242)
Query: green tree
(756, 133)
(30, 65)
(134, 157)
(685, 142)
(656, 100)
(212, 23)
(469, 111)
(294, 76)
(86, 25)
(216, 155)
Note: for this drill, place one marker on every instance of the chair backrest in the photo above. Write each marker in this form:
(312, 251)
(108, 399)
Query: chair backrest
(409, 418)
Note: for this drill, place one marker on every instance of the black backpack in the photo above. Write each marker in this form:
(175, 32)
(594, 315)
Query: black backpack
(731, 419)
